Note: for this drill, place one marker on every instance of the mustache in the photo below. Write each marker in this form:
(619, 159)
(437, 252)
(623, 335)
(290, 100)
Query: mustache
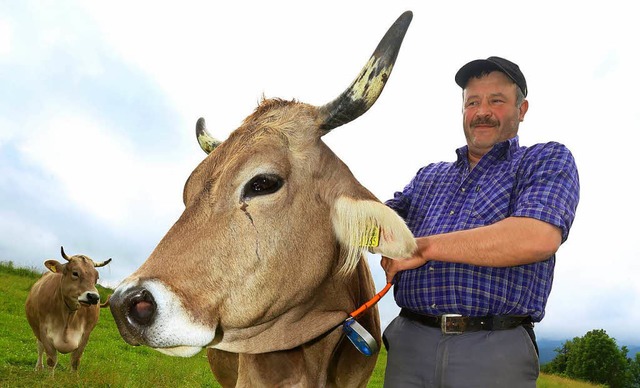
(484, 121)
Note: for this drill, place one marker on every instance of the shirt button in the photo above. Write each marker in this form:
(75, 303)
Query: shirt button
(463, 189)
(433, 306)
(430, 268)
(451, 213)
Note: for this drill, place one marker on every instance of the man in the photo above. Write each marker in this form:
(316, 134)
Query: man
(487, 227)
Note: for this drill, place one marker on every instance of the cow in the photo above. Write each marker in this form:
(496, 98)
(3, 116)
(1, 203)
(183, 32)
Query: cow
(62, 308)
(267, 259)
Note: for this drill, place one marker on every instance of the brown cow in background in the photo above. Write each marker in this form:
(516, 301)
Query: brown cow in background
(266, 260)
(62, 308)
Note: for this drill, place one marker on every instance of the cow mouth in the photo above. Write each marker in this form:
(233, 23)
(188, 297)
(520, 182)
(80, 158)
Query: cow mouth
(88, 298)
(180, 351)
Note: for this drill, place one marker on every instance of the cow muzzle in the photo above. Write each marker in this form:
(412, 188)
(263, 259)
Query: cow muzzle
(148, 313)
(89, 298)
(133, 311)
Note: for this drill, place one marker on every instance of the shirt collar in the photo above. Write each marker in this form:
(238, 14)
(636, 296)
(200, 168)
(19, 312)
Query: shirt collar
(504, 149)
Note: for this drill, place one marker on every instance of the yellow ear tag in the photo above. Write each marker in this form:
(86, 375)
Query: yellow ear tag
(371, 237)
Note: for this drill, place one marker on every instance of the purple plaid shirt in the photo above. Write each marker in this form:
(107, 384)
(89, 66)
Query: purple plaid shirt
(540, 182)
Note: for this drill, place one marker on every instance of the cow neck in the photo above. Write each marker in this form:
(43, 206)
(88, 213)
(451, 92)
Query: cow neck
(289, 330)
(70, 310)
(310, 363)
(293, 328)
(307, 322)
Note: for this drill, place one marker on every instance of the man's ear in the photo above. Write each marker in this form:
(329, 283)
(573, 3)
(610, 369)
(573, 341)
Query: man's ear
(365, 224)
(523, 110)
(54, 266)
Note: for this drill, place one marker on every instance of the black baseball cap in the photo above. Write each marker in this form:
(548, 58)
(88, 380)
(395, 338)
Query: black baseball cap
(475, 68)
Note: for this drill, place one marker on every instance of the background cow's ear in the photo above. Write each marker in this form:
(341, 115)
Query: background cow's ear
(366, 224)
(54, 266)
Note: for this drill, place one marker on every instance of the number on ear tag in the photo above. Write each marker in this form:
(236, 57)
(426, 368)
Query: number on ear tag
(371, 238)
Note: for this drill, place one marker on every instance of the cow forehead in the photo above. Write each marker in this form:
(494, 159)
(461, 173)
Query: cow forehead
(290, 122)
(81, 260)
(83, 263)
(282, 114)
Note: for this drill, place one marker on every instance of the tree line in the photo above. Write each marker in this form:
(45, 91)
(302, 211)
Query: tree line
(596, 357)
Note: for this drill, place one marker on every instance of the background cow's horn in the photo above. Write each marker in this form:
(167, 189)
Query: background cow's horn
(366, 88)
(102, 263)
(64, 255)
(207, 142)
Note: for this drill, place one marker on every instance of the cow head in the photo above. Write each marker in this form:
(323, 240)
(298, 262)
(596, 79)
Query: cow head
(271, 233)
(79, 278)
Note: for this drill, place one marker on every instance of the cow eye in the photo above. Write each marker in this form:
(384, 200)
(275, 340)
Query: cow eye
(262, 184)
(75, 274)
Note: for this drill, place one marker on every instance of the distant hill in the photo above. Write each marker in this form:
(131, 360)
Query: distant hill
(547, 349)
(632, 351)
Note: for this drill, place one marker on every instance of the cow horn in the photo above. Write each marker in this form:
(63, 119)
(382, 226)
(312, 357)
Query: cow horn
(207, 142)
(102, 263)
(366, 88)
(64, 255)
(106, 302)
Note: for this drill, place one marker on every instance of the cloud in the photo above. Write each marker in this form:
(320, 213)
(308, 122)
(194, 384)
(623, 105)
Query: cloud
(78, 146)
(6, 38)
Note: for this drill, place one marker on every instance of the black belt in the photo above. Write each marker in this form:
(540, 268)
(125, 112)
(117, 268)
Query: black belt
(456, 324)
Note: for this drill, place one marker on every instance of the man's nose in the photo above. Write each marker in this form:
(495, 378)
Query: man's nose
(483, 109)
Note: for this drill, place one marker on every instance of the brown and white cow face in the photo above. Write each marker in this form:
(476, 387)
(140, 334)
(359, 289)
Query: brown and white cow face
(79, 279)
(272, 223)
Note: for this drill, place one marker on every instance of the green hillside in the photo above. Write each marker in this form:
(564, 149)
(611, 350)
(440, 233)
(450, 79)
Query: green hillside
(108, 361)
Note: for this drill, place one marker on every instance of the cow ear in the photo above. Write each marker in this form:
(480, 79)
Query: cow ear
(366, 224)
(54, 266)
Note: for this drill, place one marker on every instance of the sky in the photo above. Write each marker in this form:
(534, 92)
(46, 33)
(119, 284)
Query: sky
(98, 103)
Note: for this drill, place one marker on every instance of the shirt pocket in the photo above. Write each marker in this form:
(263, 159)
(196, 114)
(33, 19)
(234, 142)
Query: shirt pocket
(492, 201)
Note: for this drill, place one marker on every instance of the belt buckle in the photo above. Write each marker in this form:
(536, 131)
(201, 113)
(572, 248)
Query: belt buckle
(449, 327)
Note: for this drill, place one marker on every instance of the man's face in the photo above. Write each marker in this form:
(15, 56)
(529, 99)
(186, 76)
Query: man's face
(490, 114)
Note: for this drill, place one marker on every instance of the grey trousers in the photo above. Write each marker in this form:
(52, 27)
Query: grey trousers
(421, 356)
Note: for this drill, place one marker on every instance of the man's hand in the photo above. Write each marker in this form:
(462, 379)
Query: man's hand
(393, 266)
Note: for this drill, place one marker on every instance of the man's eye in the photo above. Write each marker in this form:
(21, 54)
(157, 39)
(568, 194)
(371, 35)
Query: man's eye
(262, 184)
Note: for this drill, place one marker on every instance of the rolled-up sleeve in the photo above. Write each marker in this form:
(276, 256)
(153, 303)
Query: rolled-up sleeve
(550, 190)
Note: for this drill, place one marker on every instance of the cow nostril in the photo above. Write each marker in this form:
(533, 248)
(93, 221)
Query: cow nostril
(142, 308)
(142, 311)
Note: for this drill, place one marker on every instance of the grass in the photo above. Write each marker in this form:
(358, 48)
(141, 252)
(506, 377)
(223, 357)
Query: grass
(108, 361)
(553, 381)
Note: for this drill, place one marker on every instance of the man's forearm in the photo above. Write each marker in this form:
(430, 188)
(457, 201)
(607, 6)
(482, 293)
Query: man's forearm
(512, 241)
